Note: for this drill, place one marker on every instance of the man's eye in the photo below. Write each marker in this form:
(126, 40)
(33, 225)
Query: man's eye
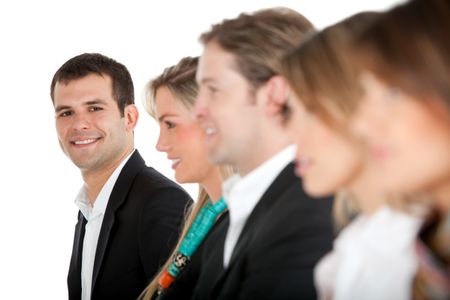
(95, 108)
(65, 114)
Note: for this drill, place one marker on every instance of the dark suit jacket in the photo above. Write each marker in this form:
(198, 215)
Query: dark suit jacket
(274, 257)
(184, 285)
(140, 227)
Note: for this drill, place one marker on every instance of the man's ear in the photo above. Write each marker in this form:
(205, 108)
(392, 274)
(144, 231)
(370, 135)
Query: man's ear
(277, 91)
(131, 115)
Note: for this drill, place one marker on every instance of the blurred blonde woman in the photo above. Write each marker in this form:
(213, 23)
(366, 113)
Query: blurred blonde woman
(405, 118)
(169, 99)
(330, 159)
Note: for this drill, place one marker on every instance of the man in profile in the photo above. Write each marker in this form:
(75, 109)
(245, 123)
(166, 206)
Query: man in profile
(275, 234)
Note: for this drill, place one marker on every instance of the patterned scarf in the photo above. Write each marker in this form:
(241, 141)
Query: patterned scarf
(433, 250)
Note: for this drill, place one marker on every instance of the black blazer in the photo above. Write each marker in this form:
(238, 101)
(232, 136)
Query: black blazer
(184, 285)
(140, 227)
(274, 257)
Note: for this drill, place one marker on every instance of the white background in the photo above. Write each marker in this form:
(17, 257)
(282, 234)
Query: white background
(38, 183)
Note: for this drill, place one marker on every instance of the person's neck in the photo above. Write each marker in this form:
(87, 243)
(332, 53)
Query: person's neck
(366, 194)
(94, 180)
(260, 154)
(213, 185)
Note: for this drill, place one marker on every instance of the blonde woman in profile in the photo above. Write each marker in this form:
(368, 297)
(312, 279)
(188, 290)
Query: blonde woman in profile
(330, 159)
(169, 100)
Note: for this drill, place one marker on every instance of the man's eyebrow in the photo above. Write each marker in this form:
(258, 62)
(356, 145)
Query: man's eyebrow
(61, 107)
(87, 103)
(95, 101)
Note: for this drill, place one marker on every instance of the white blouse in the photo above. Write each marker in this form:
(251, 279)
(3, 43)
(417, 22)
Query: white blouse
(372, 258)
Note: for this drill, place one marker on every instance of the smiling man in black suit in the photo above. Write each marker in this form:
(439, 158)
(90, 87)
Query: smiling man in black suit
(275, 233)
(130, 215)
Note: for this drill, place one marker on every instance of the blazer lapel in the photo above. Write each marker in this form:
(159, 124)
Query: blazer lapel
(277, 187)
(118, 196)
(74, 277)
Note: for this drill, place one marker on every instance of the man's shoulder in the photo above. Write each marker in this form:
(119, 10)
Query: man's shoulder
(144, 176)
(286, 193)
(144, 182)
(286, 205)
(151, 174)
(296, 196)
(150, 179)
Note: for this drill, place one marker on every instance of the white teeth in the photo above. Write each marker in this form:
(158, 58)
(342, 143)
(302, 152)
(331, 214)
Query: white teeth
(84, 142)
(210, 131)
(177, 160)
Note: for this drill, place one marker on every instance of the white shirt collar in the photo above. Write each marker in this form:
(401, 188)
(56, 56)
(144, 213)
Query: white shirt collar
(254, 184)
(99, 208)
(243, 193)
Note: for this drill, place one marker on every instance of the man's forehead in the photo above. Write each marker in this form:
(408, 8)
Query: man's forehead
(212, 66)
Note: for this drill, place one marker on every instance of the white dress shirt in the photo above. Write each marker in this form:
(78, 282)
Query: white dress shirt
(94, 216)
(243, 193)
(372, 258)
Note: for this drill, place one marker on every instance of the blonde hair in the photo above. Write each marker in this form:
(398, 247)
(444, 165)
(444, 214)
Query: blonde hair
(345, 209)
(180, 80)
